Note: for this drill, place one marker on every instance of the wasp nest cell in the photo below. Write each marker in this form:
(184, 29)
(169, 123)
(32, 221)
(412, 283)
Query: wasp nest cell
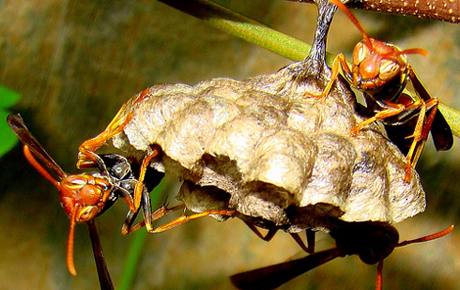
(265, 149)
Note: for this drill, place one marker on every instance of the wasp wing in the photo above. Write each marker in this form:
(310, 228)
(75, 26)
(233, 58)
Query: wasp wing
(440, 129)
(274, 276)
(19, 128)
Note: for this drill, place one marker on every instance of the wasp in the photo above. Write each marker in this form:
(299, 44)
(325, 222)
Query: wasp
(87, 195)
(381, 71)
(371, 241)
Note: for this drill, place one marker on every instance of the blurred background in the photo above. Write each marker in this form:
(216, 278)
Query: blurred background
(74, 63)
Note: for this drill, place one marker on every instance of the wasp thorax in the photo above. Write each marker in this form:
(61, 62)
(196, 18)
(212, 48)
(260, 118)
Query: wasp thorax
(380, 243)
(372, 241)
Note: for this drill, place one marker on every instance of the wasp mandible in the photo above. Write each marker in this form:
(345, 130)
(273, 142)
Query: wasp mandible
(381, 71)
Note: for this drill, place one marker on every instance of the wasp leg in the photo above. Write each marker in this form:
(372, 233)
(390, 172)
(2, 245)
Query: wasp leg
(310, 247)
(310, 241)
(127, 226)
(163, 211)
(440, 130)
(272, 231)
(393, 110)
(139, 189)
(420, 132)
(86, 156)
(159, 213)
(185, 218)
(151, 181)
(418, 141)
(339, 60)
(270, 234)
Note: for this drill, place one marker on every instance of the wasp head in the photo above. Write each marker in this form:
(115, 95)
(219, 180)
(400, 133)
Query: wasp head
(377, 63)
(83, 196)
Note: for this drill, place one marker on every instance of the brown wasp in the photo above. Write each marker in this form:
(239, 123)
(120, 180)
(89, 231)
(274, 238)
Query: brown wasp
(372, 241)
(381, 71)
(84, 196)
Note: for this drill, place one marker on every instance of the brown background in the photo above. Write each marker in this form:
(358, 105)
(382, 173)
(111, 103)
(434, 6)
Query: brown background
(76, 62)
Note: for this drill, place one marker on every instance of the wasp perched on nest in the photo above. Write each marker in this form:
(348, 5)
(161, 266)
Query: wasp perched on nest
(381, 71)
(259, 150)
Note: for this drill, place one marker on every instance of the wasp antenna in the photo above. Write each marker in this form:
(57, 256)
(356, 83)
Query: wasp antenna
(29, 156)
(70, 239)
(415, 51)
(353, 19)
(428, 238)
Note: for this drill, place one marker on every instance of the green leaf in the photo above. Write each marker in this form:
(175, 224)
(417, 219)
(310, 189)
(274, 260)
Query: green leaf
(7, 99)
(452, 117)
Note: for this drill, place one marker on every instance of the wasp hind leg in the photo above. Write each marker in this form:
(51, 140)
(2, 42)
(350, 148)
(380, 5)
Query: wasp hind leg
(422, 129)
(185, 218)
(163, 211)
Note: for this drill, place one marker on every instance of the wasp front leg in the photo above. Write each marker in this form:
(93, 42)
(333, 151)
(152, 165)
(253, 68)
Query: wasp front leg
(339, 61)
(392, 109)
(403, 113)
(140, 192)
(400, 112)
(86, 156)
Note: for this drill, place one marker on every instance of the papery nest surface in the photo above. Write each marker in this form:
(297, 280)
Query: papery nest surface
(265, 149)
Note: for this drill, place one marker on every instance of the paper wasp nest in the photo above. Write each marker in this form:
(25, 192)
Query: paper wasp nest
(262, 147)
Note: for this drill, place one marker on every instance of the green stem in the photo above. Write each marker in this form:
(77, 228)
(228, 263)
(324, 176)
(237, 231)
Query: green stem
(243, 27)
(132, 260)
